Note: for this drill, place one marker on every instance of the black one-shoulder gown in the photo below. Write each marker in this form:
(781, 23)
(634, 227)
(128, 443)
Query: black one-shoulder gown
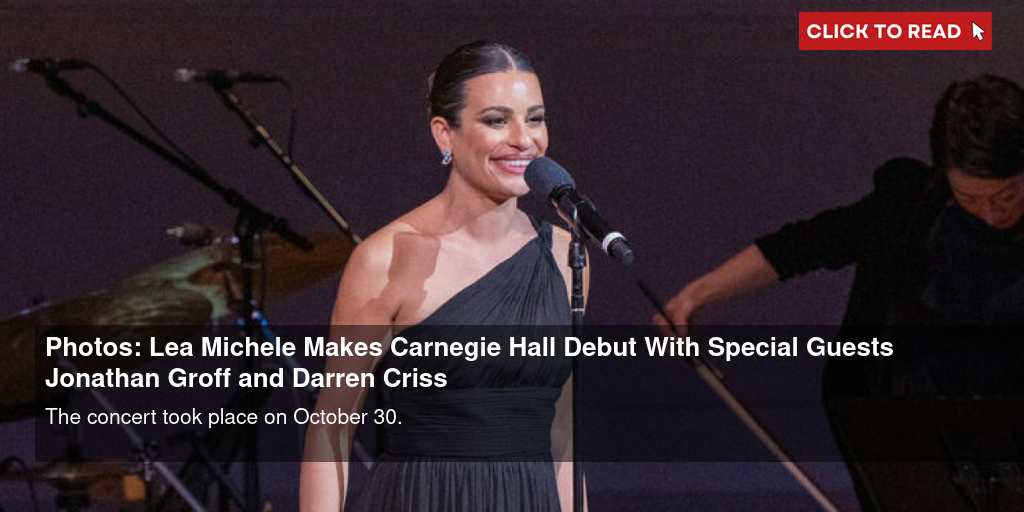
(482, 443)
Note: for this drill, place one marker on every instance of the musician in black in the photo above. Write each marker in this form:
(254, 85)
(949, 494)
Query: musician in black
(939, 245)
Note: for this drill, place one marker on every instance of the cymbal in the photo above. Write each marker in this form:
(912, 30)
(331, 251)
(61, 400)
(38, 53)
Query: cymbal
(85, 471)
(103, 480)
(216, 272)
(119, 315)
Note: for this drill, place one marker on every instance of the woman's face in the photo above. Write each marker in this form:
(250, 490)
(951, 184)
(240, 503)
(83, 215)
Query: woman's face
(501, 129)
(998, 202)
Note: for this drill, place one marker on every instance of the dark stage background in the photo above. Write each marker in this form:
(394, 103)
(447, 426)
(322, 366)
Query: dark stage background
(696, 126)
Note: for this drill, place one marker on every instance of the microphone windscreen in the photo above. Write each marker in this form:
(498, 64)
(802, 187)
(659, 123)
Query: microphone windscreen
(544, 175)
(19, 66)
(185, 75)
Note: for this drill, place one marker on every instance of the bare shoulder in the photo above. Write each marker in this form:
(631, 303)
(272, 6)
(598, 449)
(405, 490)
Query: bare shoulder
(386, 269)
(360, 293)
(370, 259)
(370, 291)
(376, 255)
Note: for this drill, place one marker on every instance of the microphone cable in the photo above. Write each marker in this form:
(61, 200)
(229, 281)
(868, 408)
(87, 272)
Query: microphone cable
(142, 115)
(291, 121)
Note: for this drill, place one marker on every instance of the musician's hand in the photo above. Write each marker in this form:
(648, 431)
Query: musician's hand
(680, 309)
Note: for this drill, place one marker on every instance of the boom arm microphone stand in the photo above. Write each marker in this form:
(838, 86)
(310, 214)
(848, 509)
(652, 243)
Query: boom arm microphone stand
(222, 85)
(142, 451)
(251, 221)
(254, 215)
(262, 136)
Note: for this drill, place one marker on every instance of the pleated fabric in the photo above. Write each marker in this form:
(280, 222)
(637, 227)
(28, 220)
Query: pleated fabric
(482, 443)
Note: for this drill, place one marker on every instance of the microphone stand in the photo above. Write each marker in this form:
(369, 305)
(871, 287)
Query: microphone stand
(714, 378)
(222, 86)
(251, 221)
(143, 451)
(577, 262)
(262, 136)
(247, 210)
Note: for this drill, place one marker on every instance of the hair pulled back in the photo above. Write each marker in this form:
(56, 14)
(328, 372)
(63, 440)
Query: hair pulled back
(447, 84)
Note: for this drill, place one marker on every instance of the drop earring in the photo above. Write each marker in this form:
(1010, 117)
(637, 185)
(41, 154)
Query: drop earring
(446, 157)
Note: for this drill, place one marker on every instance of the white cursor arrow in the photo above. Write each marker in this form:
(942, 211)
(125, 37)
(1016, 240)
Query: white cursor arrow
(977, 32)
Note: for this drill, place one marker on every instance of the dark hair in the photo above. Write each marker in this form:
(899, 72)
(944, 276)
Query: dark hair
(979, 128)
(447, 83)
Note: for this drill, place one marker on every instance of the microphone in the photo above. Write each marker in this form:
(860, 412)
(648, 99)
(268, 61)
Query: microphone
(46, 65)
(222, 77)
(547, 178)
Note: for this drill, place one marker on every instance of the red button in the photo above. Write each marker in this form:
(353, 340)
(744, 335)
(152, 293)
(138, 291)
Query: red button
(896, 31)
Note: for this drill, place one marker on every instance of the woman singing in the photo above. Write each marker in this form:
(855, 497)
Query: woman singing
(497, 436)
